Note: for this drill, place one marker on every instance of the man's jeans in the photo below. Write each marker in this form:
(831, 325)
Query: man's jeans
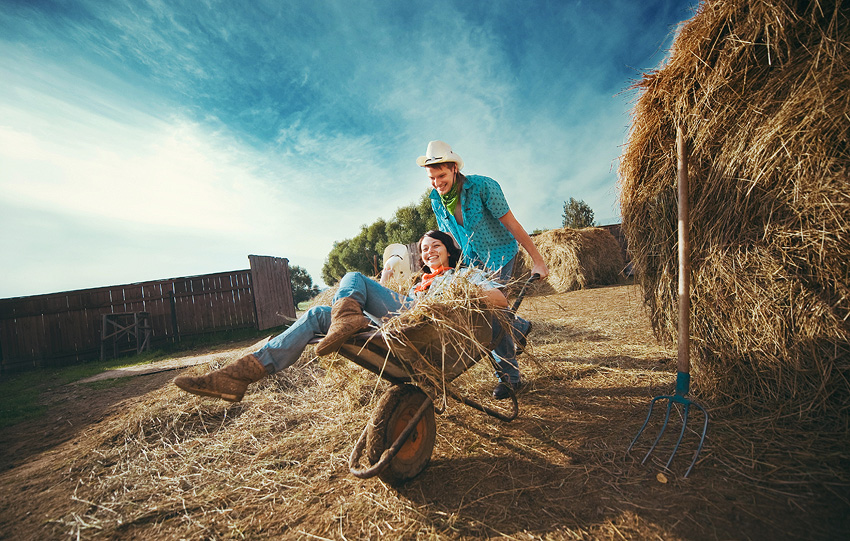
(510, 368)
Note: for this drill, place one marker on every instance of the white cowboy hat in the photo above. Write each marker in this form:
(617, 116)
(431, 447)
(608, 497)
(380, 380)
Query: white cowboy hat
(397, 256)
(439, 152)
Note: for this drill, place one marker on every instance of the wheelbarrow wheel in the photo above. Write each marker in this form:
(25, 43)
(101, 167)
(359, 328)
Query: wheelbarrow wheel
(396, 408)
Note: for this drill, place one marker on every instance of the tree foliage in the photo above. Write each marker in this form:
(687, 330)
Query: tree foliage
(364, 251)
(302, 284)
(577, 214)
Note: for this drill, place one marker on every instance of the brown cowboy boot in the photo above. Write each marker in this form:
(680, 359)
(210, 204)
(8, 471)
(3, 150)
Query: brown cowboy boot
(228, 383)
(346, 319)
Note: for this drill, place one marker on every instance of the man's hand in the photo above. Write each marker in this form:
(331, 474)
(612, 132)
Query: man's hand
(541, 269)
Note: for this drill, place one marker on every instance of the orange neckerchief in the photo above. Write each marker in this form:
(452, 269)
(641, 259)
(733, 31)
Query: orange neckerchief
(428, 278)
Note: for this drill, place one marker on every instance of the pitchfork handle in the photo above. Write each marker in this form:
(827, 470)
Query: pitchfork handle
(683, 364)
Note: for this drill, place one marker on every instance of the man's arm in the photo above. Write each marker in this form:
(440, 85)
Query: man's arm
(512, 225)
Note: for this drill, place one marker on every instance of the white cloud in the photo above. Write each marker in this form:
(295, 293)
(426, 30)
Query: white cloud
(86, 173)
(197, 135)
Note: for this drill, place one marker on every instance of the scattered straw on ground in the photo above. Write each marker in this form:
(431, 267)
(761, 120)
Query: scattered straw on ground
(168, 465)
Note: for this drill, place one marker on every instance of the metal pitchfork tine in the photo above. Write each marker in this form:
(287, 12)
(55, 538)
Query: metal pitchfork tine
(683, 375)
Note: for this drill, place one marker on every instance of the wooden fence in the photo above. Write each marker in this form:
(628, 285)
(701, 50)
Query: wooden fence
(66, 328)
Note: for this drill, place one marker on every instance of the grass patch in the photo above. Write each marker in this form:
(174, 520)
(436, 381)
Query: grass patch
(21, 393)
(19, 399)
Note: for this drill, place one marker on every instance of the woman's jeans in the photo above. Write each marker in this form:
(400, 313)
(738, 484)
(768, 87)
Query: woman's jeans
(377, 301)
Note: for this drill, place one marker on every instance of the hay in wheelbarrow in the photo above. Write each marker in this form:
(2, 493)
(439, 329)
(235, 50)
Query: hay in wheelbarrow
(761, 91)
(441, 337)
(577, 259)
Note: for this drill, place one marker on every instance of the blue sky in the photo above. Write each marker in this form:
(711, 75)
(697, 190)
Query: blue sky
(148, 139)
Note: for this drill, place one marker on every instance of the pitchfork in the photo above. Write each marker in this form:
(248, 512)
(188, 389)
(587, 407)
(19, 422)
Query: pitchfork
(683, 375)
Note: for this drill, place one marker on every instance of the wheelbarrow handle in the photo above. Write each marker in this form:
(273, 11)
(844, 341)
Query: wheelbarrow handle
(533, 278)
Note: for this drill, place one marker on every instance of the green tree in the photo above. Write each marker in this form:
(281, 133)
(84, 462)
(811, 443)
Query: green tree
(302, 284)
(577, 214)
(362, 252)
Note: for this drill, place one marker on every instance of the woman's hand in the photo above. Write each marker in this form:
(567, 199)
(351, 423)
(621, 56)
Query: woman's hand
(495, 298)
(386, 274)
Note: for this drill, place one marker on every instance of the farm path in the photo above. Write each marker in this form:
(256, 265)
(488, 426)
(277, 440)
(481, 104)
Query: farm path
(176, 363)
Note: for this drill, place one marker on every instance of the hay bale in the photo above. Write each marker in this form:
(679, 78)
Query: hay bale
(325, 297)
(760, 89)
(577, 258)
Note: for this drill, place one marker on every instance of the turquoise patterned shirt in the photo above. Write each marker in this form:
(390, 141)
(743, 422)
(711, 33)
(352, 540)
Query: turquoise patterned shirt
(485, 242)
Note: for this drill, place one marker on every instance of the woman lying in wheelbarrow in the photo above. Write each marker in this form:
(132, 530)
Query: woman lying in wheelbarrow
(356, 294)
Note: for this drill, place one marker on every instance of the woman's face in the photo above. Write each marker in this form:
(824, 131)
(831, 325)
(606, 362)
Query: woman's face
(434, 253)
(442, 178)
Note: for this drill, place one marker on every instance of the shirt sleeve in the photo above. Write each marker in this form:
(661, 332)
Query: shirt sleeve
(494, 198)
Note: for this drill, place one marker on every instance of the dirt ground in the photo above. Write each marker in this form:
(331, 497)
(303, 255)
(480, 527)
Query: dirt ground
(135, 458)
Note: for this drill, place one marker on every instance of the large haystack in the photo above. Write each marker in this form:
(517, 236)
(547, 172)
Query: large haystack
(577, 258)
(761, 90)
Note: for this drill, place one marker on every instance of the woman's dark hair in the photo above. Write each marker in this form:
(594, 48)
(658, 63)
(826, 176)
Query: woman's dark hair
(448, 241)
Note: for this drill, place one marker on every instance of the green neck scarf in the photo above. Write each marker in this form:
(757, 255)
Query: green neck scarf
(450, 199)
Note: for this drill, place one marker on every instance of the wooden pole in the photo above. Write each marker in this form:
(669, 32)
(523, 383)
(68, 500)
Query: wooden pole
(683, 364)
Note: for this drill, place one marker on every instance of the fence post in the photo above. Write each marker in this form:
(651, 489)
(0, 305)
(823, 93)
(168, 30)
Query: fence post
(175, 333)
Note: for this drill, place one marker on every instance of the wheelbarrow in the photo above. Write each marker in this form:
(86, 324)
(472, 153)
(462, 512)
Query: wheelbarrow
(399, 438)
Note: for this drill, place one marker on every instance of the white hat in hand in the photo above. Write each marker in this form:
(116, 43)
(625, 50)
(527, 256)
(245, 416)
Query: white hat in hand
(397, 257)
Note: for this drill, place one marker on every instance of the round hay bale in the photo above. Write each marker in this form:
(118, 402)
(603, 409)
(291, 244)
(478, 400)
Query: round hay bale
(577, 258)
(760, 89)
(325, 297)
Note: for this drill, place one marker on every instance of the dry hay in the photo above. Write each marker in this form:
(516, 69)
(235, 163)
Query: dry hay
(441, 336)
(401, 285)
(215, 470)
(577, 258)
(325, 298)
(761, 91)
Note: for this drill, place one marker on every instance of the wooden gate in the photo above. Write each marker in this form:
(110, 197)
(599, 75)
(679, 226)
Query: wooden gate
(272, 291)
